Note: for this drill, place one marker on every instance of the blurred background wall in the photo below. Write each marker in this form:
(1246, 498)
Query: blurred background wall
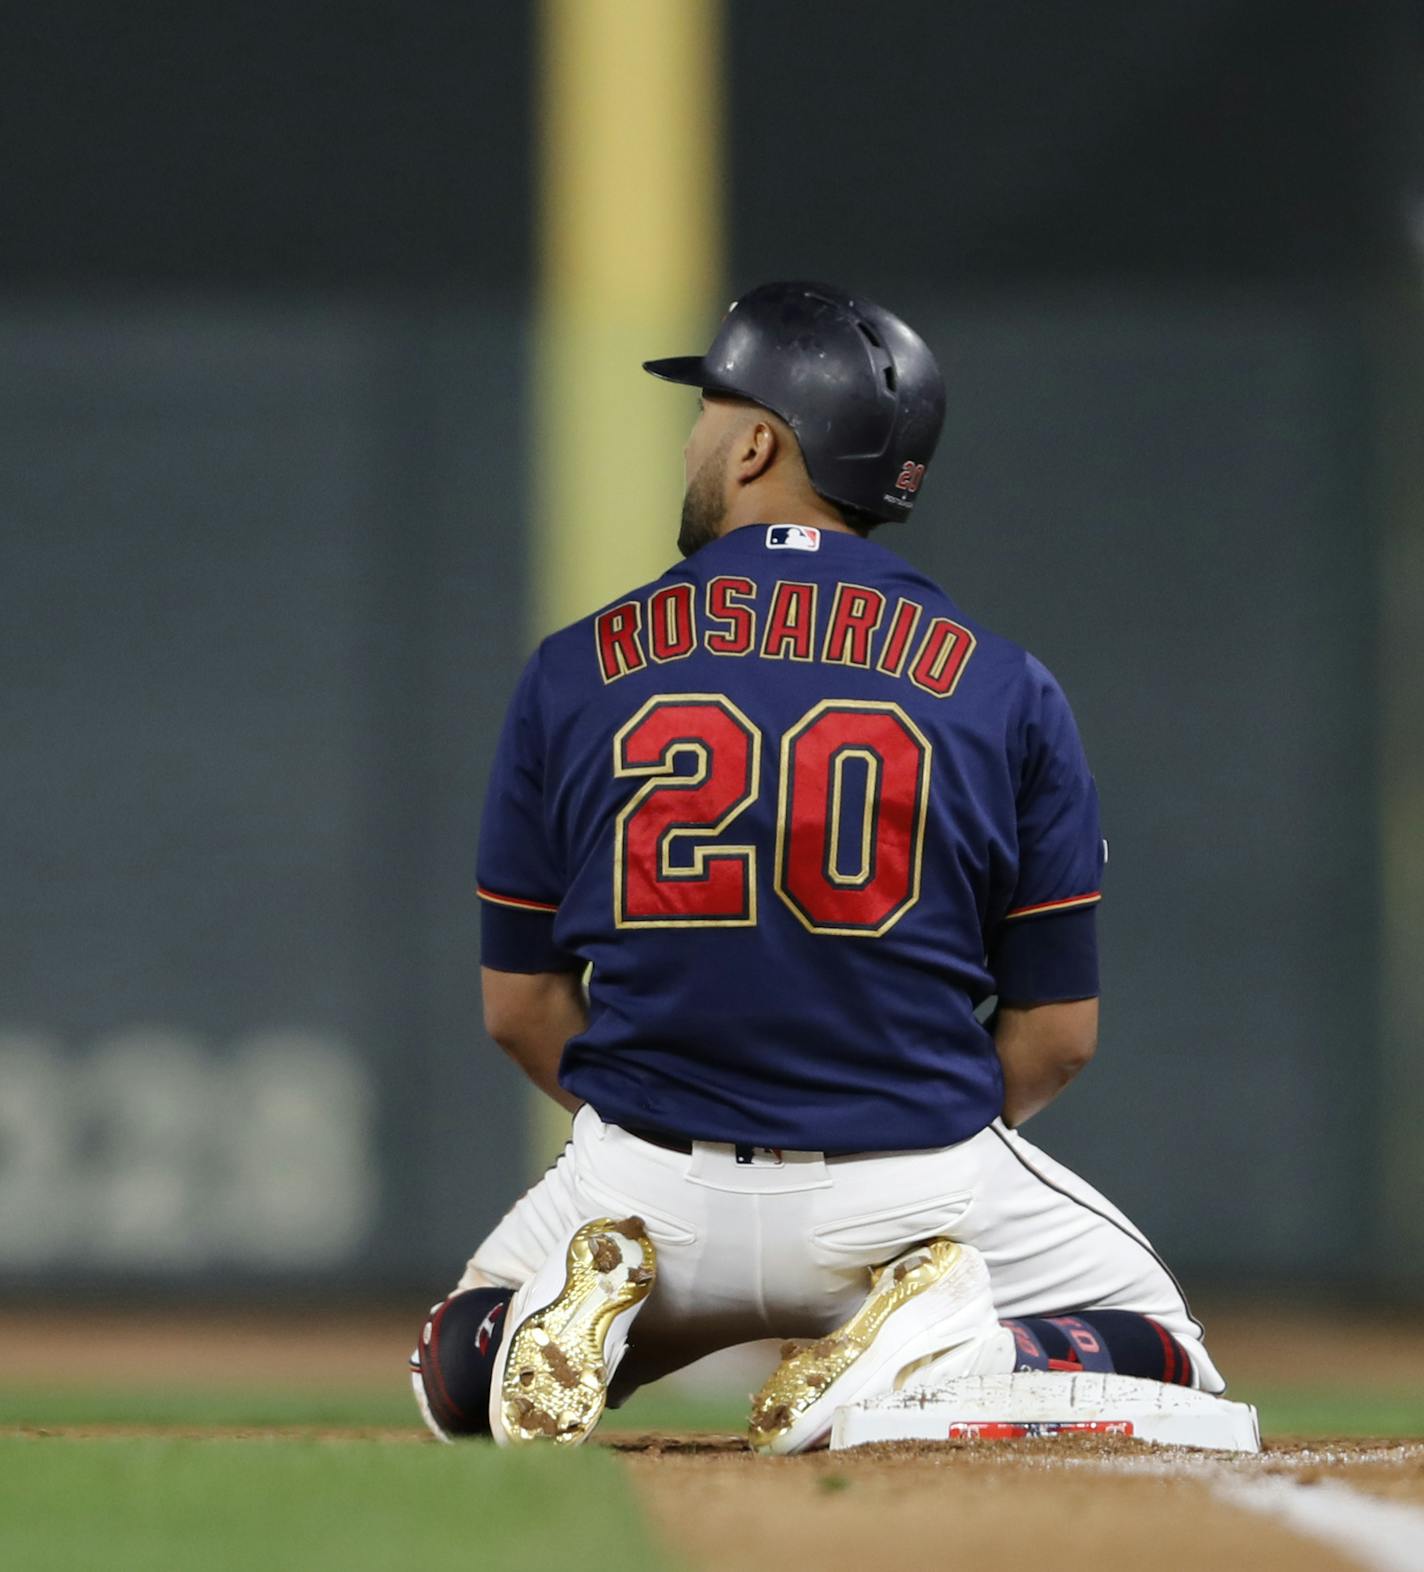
(280, 326)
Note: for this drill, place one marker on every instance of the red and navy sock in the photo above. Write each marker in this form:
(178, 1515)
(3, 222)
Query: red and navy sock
(455, 1358)
(1120, 1341)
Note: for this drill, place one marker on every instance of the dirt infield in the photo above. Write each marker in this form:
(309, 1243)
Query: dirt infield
(1038, 1504)
(1067, 1503)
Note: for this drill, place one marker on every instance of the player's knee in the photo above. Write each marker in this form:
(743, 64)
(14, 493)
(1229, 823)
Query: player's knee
(453, 1364)
(1109, 1341)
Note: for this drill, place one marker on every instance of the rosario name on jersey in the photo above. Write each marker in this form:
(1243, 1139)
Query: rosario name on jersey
(802, 817)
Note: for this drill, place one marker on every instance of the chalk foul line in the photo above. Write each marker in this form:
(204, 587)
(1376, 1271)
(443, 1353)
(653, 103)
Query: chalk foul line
(1377, 1534)
(1384, 1536)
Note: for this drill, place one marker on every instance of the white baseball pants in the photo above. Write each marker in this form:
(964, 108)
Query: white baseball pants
(781, 1246)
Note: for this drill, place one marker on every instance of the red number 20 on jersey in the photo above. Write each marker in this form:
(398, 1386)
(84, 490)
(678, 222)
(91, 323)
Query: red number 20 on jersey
(675, 858)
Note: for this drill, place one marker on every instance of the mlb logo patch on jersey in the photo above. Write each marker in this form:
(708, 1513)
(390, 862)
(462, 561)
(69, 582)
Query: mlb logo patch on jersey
(793, 537)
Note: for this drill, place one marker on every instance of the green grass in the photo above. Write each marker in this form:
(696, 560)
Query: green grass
(664, 1407)
(295, 1501)
(181, 1406)
(1331, 1411)
(656, 1408)
(234, 1506)
(1295, 1411)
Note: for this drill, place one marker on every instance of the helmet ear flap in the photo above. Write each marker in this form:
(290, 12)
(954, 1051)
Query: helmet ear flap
(858, 386)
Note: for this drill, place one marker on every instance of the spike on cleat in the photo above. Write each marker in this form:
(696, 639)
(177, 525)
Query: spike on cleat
(568, 1329)
(931, 1302)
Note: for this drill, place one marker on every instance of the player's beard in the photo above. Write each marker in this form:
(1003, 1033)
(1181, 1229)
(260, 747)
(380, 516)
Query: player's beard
(704, 504)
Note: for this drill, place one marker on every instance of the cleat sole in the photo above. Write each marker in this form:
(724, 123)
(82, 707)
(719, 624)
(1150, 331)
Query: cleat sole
(555, 1382)
(800, 1380)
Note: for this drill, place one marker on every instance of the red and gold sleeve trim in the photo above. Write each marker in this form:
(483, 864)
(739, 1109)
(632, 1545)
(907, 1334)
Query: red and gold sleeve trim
(517, 901)
(1066, 904)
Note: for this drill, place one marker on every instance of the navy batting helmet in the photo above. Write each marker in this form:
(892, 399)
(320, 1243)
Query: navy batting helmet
(859, 388)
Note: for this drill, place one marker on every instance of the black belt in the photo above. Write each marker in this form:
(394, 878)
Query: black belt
(682, 1143)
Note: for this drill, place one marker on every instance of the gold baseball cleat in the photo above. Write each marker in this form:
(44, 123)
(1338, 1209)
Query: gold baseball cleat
(926, 1302)
(566, 1341)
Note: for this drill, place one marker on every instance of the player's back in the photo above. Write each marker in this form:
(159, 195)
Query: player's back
(786, 799)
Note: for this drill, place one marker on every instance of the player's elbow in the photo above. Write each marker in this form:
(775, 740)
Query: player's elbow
(1057, 1061)
(524, 1006)
(502, 1027)
(1074, 1052)
(1041, 1048)
(510, 1000)
(1064, 1036)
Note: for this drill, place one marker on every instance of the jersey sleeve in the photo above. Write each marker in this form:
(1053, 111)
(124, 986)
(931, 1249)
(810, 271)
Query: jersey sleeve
(519, 876)
(1044, 948)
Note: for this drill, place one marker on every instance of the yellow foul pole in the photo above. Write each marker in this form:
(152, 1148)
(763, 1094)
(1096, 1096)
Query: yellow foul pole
(631, 268)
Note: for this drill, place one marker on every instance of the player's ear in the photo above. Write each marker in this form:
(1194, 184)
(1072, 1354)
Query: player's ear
(756, 450)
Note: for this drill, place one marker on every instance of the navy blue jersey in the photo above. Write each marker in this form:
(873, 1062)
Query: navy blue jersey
(802, 816)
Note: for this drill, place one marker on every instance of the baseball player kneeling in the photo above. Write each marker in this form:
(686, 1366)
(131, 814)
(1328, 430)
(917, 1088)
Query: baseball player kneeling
(804, 818)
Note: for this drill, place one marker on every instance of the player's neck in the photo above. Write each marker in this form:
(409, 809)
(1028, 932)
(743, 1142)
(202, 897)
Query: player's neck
(782, 507)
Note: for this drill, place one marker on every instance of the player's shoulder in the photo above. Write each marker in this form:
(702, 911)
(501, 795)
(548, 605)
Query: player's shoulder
(994, 651)
(570, 666)
(1008, 677)
(567, 649)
